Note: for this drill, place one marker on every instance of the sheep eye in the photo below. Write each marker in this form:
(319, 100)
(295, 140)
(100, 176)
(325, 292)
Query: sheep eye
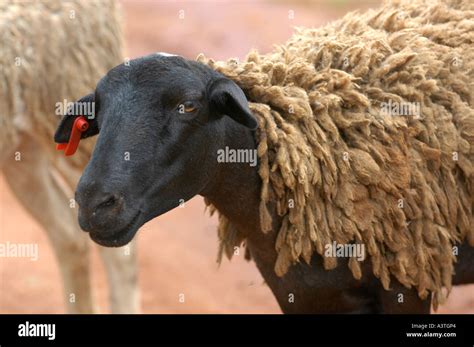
(187, 107)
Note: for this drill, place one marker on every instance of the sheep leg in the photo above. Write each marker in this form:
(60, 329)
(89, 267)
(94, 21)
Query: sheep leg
(33, 184)
(121, 267)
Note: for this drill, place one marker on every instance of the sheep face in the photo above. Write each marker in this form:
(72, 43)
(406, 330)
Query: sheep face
(161, 121)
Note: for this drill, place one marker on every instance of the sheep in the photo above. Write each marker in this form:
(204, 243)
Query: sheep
(54, 51)
(364, 135)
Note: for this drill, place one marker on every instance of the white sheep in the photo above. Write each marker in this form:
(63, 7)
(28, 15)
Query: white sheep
(53, 51)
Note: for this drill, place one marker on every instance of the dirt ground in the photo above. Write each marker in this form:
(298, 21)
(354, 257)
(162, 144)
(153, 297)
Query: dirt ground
(177, 251)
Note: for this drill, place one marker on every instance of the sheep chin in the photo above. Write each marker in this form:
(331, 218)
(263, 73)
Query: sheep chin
(121, 237)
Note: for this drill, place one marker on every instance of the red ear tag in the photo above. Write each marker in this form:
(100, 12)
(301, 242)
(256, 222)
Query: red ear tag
(80, 125)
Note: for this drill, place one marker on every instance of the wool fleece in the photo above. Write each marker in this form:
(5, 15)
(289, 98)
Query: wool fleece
(346, 161)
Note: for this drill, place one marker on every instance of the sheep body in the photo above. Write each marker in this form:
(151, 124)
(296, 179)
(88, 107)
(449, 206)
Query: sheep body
(343, 163)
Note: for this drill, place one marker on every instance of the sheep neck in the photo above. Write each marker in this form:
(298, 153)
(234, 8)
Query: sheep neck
(235, 189)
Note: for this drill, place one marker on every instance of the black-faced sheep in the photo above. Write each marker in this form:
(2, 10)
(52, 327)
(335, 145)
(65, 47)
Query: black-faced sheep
(54, 51)
(365, 145)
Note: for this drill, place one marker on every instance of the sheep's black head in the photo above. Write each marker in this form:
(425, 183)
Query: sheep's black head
(160, 120)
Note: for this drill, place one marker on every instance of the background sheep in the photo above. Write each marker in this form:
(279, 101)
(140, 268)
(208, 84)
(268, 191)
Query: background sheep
(54, 51)
(235, 189)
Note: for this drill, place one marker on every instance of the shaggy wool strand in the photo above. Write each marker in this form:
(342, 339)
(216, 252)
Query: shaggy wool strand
(342, 166)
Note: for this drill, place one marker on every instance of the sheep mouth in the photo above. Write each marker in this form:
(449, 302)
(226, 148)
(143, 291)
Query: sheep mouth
(121, 237)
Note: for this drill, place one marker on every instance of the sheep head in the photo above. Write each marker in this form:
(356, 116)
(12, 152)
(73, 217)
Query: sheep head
(160, 121)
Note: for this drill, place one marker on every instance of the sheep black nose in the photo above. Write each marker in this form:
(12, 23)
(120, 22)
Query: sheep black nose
(98, 210)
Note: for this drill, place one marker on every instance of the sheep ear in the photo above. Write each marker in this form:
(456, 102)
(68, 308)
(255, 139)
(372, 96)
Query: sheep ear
(82, 107)
(226, 98)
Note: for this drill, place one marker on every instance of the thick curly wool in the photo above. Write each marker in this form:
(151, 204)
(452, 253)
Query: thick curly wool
(340, 168)
(52, 50)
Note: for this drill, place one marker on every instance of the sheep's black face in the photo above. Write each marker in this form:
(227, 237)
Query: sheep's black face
(161, 122)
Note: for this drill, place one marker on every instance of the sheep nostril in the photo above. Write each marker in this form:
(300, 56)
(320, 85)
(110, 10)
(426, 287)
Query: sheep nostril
(110, 201)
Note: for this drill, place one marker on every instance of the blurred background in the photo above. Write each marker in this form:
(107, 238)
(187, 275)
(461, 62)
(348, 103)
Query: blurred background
(177, 251)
